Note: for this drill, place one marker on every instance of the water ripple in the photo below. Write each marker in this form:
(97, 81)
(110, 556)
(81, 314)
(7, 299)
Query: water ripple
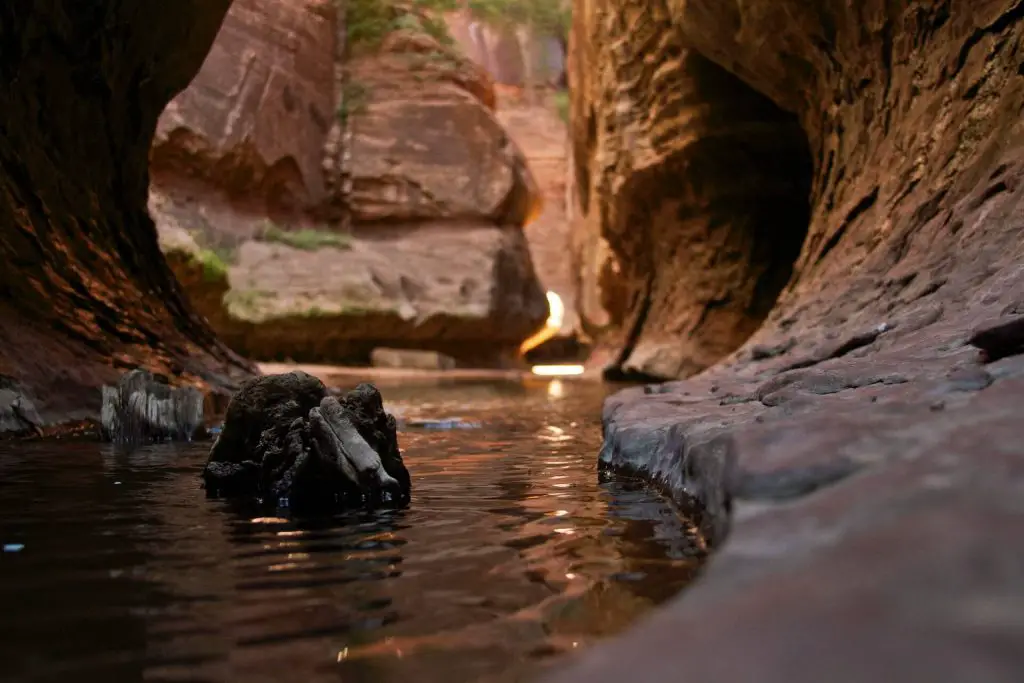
(511, 554)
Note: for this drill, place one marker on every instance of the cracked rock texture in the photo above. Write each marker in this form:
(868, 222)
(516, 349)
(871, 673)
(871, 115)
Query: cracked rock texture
(315, 213)
(860, 458)
(84, 290)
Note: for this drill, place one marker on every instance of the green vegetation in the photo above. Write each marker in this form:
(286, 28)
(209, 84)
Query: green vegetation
(550, 17)
(369, 21)
(355, 97)
(424, 23)
(562, 105)
(306, 238)
(246, 304)
(215, 265)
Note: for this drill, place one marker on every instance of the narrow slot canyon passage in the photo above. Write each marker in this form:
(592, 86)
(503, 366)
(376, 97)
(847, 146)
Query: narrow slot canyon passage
(505, 341)
(705, 228)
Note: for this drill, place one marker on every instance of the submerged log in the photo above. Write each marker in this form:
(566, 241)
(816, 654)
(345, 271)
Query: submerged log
(287, 440)
(140, 409)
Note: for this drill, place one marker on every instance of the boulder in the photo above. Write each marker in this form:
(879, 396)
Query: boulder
(425, 146)
(405, 359)
(254, 122)
(467, 291)
(248, 209)
(288, 441)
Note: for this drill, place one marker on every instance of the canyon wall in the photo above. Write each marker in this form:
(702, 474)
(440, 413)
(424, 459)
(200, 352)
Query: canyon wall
(696, 128)
(84, 290)
(320, 201)
(858, 460)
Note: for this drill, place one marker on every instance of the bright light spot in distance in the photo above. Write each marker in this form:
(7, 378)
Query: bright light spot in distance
(557, 370)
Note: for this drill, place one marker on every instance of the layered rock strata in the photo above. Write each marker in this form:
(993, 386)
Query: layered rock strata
(691, 190)
(420, 247)
(84, 290)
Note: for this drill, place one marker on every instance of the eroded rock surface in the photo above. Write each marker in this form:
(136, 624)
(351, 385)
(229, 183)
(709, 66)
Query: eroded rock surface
(285, 438)
(84, 290)
(250, 205)
(139, 409)
(861, 456)
(426, 144)
(691, 192)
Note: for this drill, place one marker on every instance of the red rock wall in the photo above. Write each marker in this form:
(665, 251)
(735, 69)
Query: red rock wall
(84, 290)
(696, 183)
(254, 122)
(911, 112)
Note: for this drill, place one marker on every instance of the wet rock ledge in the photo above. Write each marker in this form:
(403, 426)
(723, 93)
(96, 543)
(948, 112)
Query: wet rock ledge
(861, 457)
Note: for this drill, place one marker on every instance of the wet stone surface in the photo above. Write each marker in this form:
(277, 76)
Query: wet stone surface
(867, 513)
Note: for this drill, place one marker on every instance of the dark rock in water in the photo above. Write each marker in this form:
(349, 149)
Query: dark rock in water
(286, 437)
(141, 409)
(18, 415)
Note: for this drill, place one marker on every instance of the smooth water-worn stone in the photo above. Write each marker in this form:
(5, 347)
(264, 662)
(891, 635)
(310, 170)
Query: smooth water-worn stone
(287, 440)
(140, 409)
(17, 413)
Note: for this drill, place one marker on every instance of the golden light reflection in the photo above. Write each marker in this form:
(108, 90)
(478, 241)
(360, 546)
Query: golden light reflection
(557, 370)
(556, 314)
(282, 567)
(556, 389)
(268, 520)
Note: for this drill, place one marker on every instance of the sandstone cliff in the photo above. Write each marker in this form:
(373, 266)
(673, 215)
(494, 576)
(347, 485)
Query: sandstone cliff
(867, 151)
(415, 240)
(863, 449)
(84, 291)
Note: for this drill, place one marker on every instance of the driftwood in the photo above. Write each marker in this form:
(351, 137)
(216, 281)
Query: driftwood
(140, 409)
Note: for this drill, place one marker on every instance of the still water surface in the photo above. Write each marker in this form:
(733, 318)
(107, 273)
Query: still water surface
(512, 556)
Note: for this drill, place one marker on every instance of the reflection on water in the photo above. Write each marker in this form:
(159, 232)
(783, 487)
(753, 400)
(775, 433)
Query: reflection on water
(511, 553)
